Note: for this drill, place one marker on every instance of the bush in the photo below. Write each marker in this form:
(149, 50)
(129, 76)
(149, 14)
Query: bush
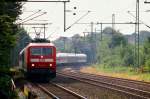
(5, 70)
(6, 84)
(147, 65)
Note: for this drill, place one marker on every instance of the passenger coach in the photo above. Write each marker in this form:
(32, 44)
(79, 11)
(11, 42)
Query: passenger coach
(71, 58)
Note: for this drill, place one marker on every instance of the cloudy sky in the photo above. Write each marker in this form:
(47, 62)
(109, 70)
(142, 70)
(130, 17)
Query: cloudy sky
(101, 11)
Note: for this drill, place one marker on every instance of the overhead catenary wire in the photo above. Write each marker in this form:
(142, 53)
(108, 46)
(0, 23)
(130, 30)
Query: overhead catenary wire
(33, 18)
(78, 20)
(52, 33)
(30, 16)
(139, 20)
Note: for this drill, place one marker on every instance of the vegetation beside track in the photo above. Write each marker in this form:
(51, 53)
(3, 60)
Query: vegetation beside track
(10, 35)
(118, 71)
(6, 87)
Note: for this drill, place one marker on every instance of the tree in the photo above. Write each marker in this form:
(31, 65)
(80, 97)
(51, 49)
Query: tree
(9, 13)
(114, 50)
(11, 9)
(22, 40)
(146, 54)
(117, 39)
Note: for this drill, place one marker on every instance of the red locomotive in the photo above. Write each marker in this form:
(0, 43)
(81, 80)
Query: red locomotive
(38, 59)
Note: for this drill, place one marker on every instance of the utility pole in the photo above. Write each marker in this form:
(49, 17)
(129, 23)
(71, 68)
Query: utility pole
(44, 31)
(92, 31)
(75, 41)
(101, 31)
(113, 23)
(138, 26)
(64, 41)
(137, 36)
(64, 16)
(85, 35)
(93, 42)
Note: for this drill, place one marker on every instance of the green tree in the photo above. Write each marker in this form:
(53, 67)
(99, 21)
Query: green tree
(117, 39)
(146, 54)
(9, 13)
(114, 49)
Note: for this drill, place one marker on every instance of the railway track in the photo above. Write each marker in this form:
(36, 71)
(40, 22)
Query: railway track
(145, 86)
(109, 83)
(141, 83)
(121, 81)
(56, 91)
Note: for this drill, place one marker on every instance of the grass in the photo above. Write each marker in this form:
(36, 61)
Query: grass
(118, 71)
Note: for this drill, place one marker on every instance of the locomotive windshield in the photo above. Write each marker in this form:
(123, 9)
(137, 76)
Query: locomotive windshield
(46, 51)
(41, 51)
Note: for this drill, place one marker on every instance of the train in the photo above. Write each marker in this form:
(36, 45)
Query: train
(38, 59)
(70, 58)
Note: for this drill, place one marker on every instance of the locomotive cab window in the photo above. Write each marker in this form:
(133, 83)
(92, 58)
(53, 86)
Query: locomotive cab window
(46, 51)
(35, 51)
(41, 51)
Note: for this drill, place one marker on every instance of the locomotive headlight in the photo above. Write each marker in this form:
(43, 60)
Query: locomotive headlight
(33, 65)
(50, 65)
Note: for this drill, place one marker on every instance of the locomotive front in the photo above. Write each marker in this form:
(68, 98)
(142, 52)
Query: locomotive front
(39, 59)
(42, 59)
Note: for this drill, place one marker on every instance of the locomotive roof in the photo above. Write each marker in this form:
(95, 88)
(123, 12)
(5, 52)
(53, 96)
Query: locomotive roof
(36, 44)
(41, 44)
(70, 54)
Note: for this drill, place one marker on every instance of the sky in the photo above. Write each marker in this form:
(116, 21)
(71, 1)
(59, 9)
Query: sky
(100, 11)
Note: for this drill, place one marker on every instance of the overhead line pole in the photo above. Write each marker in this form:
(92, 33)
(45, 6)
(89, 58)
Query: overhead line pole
(92, 29)
(44, 31)
(113, 23)
(64, 16)
(137, 37)
(92, 41)
(138, 30)
(101, 31)
(135, 42)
